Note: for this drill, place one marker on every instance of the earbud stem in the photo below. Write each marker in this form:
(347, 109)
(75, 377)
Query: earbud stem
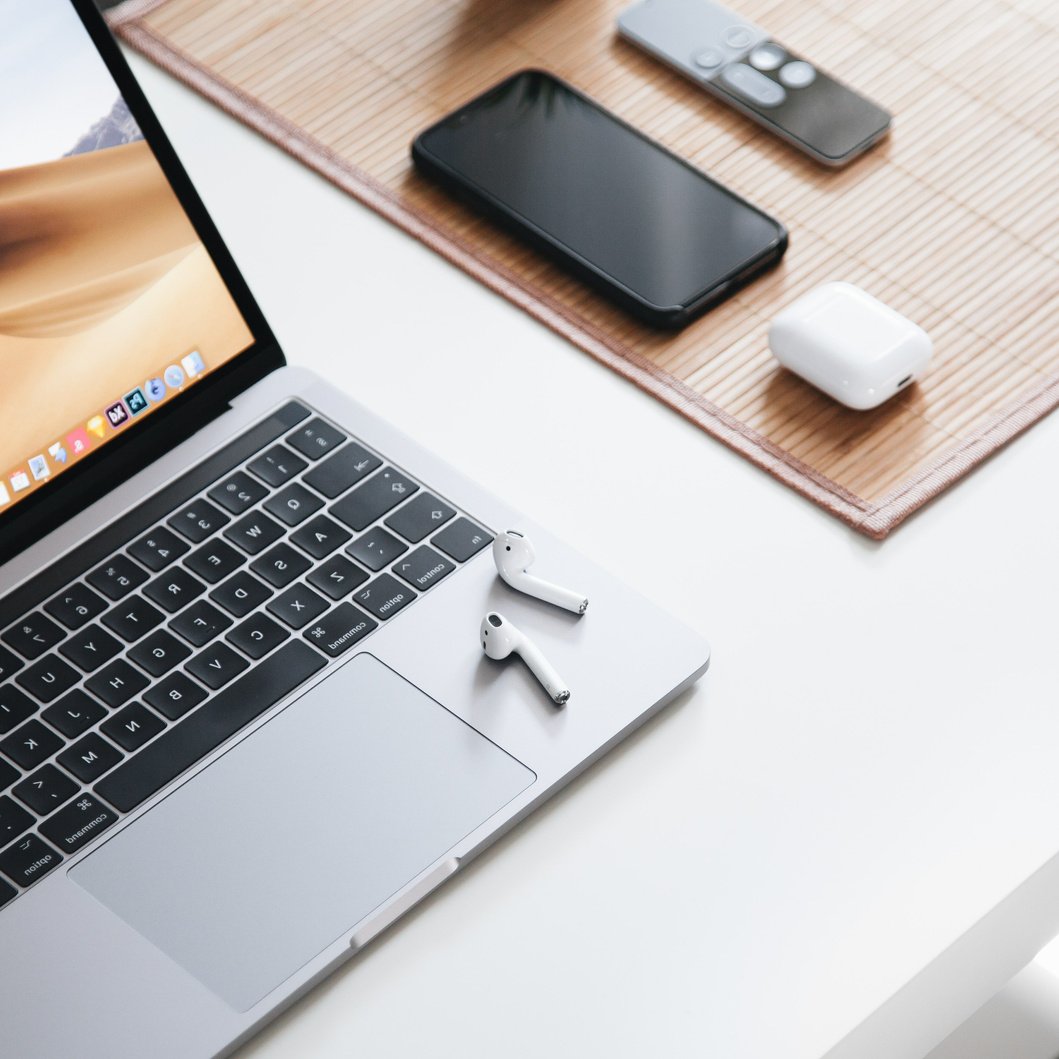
(546, 591)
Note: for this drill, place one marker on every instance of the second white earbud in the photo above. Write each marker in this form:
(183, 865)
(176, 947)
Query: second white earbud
(500, 639)
(513, 555)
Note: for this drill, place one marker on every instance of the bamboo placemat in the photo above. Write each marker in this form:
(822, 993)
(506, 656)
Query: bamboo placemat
(953, 221)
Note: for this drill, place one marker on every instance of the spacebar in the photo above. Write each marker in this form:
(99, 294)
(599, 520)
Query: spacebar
(222, 716)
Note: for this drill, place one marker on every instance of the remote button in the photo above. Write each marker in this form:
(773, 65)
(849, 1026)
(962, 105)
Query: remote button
(320, 537)
(31, 745)
(159, 653)
(133, 618)
(707, 59)
(462, 539)
(158, 549)
(47, 679)
(74, 714)
(797, 74)
(33, 635)
(15, 707)
(175, 695)
(78, 824)
(200, 623)
(340, 630)
(10, 663)
(257, 635)
(277, 466)
(295, 504)
(89, 758)
(280, 566)
(213, 562)
(420, 516)
(118, 577)
(241, 594)
(133, 726)
(737, 37)
(342, 470)
(384, 597)
(297, 606)
(198, 520)
(376, 548)
(753, 85)
(217, 665)
(28, 860)
(90, 648)
(316, 438)
(254, 532)
(237, 493)
(46, 790)
(424, 568)
(337, 577)
(116, 683)
(174, 589)
(767, 57)
(14, 820)
(230, 710)
(77, 605)
(374, 498)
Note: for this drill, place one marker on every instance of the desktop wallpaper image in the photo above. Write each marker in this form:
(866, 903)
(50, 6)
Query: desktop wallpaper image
(103, 280)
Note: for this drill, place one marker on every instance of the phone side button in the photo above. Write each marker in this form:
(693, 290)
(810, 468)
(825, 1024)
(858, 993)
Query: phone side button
(753, 85)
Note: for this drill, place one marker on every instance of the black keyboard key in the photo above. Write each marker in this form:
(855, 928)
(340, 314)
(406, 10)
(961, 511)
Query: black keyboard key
(420, 517)
(14, 820)
(47, 679)
(342, 470)
(315, 438)
(132, 726)
(462, 539)
(376, 548)
(133, 618)
(241, 594)
(173, 696)
(237, 493)
(294, 505)
(374, 498)
(213, 562)
(174, 589)
(76, 606)
(257, 635)
(79, 823)
(340, 630)
(281, 565)
(28, 860)
(159, 653)
(9, 774)
(217, 665)
(31, 745)
(90, 757)
(424, 568)
(117, 578)
(320, 536)
(254, 532)
(158, 548)
(33, 635)
(6, 893)
(46, 789)
(116, 683)
(10, 663)
(297, 606)
(200, 623)
(337, 577)
(384, 596)
(198, 520)
(74, 714)
(277, 466)
(90, 648)
(226, 713)
(15, 707)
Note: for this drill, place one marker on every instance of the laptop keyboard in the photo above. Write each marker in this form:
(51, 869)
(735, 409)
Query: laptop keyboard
(131, 659)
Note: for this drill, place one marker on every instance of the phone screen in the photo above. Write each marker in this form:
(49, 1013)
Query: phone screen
(607, 195)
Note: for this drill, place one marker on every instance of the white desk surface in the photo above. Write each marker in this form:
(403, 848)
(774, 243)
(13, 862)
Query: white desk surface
(867, 768)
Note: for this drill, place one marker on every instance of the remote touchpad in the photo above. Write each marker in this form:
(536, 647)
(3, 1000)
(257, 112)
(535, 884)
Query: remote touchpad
(280, 847)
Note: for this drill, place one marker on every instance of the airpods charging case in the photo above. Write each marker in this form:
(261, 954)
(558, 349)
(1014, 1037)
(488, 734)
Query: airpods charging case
(849, 344)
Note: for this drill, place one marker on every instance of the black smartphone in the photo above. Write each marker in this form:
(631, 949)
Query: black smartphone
(646, 228)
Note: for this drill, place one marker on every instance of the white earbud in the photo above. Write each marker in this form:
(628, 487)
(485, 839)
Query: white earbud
(500, 638)
(513, 553)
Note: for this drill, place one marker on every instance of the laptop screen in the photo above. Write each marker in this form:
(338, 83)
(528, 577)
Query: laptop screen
(110, 304)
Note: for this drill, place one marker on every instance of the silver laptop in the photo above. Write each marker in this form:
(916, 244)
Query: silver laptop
(245, 717)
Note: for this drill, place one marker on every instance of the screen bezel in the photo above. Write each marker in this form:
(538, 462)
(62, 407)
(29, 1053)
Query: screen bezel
(26, 520)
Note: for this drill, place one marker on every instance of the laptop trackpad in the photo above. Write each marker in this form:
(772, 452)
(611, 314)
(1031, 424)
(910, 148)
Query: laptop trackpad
(284, 844)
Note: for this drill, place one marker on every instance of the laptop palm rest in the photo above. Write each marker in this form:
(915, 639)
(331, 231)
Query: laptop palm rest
(285, 843)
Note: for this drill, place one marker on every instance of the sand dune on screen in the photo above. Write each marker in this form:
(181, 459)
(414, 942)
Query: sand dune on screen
(102, 282)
